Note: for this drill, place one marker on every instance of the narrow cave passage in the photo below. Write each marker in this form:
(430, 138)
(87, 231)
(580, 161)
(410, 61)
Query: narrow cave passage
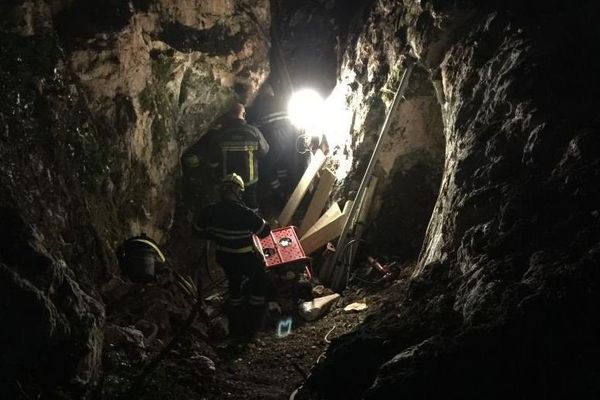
(456, 255)
(409, 168)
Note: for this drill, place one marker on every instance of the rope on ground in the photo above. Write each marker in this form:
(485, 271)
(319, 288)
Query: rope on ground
(138, 382)
(300, 370)
(331, 330)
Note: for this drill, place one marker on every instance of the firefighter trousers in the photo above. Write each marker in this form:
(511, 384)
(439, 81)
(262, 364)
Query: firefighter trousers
(246, 276)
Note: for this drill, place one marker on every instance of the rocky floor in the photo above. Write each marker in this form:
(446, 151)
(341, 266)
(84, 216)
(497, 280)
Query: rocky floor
(271, 366)
(143, 319)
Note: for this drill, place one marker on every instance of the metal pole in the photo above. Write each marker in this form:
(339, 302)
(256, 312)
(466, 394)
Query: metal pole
(339, 273)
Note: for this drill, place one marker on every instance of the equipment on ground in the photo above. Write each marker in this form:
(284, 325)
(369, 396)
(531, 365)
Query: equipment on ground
(289, 268)
(140, 266)
(385, 271)
(139, 259)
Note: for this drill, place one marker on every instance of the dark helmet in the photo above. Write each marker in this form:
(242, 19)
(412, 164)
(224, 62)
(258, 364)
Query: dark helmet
(190, 160)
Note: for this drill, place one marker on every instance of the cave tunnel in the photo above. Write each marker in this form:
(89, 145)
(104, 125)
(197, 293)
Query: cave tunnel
(442, 187)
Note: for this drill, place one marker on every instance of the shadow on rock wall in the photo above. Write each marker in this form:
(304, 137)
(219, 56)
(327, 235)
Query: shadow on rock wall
(502, 302)
(51, 336)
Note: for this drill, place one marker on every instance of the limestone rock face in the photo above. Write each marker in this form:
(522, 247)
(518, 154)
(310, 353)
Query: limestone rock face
(502, 302)
(98, 101)
(156, 74)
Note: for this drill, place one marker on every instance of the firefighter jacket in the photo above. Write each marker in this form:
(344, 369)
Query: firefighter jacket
(279, 133)
(280, 163)
(230, 224)
(236, 147)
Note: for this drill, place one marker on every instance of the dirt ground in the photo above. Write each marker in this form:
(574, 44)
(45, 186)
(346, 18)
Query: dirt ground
(269, 367)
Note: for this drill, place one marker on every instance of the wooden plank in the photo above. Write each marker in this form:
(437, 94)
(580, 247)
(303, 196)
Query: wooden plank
(333, 212)
(347, 207)
(327, 233)
(320, 237)
(317, 203)
(294, 201)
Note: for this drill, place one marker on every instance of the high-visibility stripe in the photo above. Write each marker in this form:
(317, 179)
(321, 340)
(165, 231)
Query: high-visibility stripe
(230, 231)
(251, 143)
(246, 249)
(268, 119)
(229, 237)
(155, 247)
(239, 146)
(198, 228)
(257, 302)
(251, 162)
(275, 114)
(234, 301)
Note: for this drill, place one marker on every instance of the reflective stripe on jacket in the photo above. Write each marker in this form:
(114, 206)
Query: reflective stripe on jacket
(230, 225)
(237, 146)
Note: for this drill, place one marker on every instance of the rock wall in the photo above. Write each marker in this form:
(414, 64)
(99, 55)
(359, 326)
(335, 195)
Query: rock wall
(502, 302)
(51, 341)
(304, 35)
(410, 162)
(98, 101)
(156, 74)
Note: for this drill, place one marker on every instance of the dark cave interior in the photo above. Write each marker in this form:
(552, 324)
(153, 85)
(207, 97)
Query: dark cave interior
(474, 248)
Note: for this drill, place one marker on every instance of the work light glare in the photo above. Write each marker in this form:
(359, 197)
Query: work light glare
(305, 109)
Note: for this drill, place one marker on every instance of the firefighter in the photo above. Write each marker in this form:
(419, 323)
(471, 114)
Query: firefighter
(281, 166)
(236, 147)
(230, 225)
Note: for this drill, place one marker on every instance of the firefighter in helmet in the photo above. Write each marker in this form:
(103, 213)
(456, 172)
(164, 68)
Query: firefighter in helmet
(282, 165)
(230, 225)
(236, 147)
(230, 146)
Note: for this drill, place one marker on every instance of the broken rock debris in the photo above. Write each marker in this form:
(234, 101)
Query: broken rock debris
(312, 310)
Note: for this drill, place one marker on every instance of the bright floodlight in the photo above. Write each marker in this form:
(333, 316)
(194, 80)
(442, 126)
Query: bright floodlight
(337, 118)
(305, 110)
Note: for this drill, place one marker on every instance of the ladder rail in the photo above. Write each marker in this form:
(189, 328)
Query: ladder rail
(338, 273)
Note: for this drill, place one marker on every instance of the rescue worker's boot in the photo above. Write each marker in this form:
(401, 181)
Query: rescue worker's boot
(256, 320)
(236, 317)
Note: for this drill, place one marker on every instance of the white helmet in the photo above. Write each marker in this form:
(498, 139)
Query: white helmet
(234, 179)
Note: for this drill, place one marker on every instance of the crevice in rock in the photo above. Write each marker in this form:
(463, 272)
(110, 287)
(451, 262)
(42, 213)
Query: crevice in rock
(216, 41)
